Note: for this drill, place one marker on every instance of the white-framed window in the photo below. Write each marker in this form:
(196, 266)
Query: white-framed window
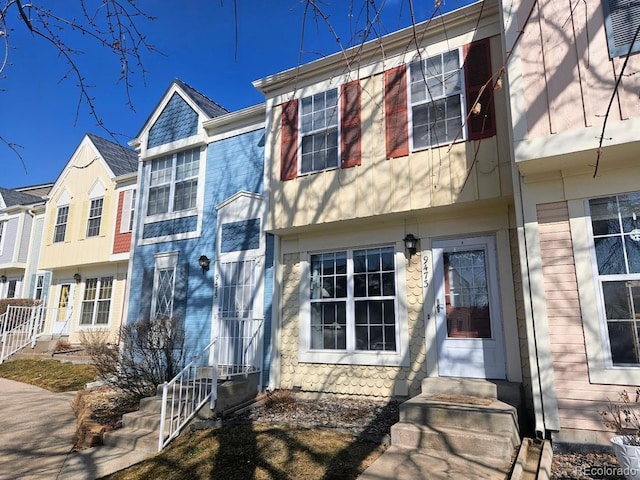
(350, 307)
(96, 302)
(173, 183)
(60, 228)
(132, 210)
(164, 285)
(95, 217)
(437, 102)
(615, 231)
(39, 290)
(319, 131)
(11, 288)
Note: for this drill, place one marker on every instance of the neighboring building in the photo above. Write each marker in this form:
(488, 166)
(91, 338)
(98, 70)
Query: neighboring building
(367, 148)
(21, 216)
(578, 216)
(83, 260)
(201, 185)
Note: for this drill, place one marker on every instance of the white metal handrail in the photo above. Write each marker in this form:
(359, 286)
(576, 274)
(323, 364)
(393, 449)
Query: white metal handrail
(20, 326)
(240, 349)
(186, 393)
(237, 350)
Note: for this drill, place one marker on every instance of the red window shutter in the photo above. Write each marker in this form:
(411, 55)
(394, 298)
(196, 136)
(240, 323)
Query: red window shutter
(395, 104)
(350, 99)
(477, 72)
(289, 142)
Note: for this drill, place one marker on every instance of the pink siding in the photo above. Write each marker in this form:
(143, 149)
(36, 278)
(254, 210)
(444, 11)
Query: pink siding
(579, 401)
(568, 77)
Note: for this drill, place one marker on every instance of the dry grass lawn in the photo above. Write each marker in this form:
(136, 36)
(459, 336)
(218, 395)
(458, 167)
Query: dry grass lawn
(51, 375)
(259, 451)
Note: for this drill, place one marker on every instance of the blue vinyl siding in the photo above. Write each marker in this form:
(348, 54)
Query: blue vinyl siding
(170, 227)
(178, 120)
(232, 165)
(238, 236)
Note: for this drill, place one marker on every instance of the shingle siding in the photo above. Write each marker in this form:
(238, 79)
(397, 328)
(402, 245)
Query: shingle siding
(170, 227)
(178, 120)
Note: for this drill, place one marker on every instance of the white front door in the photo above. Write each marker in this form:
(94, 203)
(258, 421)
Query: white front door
(467, 309)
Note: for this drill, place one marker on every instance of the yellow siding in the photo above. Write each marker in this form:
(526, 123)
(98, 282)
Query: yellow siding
(78, 181)
(465, 172)
(351, 379)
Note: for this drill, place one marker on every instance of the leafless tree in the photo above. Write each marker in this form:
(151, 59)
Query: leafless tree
(111, 24)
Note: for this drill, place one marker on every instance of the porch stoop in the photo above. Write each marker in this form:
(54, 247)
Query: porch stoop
(457, 428)
(141, 429)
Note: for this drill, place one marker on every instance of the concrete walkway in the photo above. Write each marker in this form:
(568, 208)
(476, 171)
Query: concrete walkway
(36, 437)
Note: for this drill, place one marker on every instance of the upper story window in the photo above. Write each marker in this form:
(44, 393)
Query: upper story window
(622, 19)
(615, 226)
(95, 217)
(319, 131)
(173, 183)
(437, 100)
(448, 97)
(60, 229)
(132, 210)
(2, 235)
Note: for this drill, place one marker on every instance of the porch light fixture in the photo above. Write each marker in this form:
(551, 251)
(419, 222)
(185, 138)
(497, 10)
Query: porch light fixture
(410, 243)
(3, 278)
(204, 262)
(77, 277)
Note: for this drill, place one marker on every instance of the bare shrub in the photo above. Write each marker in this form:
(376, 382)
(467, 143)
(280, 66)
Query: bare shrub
(62, 346)
(280, 399)
(17, 302)
(151, 352)
(95, 341)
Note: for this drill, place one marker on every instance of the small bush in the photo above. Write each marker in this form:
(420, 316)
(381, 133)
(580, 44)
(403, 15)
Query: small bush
(280, 399)
(62, 346)
(95, 341)
(151, 352)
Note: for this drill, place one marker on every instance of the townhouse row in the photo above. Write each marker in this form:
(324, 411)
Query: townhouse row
(425, 205)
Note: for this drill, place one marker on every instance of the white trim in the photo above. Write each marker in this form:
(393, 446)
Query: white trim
(164, 261)
(463, 101)
(349, 356)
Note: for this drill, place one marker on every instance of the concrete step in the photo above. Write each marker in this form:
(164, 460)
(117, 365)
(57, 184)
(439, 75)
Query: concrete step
(458, 411)
(457, 441)
(459, 386)
(151, 404)
(138, 439)
(145, 420)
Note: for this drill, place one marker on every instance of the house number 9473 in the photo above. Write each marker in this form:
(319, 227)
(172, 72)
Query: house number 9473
(425, 271)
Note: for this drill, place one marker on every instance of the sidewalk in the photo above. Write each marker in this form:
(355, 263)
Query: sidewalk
(36, 437)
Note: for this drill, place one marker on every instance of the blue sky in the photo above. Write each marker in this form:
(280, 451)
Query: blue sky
(197, 40)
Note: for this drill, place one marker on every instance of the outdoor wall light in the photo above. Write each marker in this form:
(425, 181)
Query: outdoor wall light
(410, 243)
(204, 261)
(77, 277)
(3, 278)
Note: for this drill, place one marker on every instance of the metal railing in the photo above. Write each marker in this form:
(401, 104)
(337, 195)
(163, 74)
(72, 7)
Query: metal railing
(186, 393)
(237, 350)
(19, 327)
